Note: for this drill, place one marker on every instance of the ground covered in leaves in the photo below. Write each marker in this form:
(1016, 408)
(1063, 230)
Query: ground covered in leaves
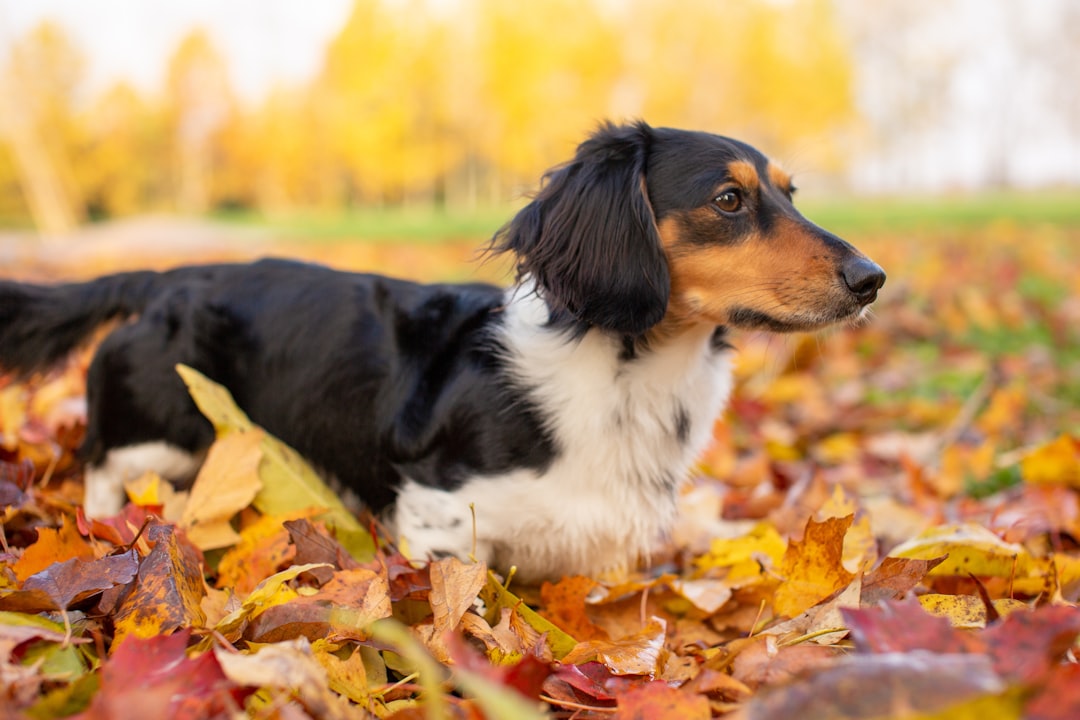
(885, 527)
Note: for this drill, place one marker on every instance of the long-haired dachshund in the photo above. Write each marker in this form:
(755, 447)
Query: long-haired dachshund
(565, 410)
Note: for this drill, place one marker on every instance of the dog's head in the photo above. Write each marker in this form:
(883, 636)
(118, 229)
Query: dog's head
(654, 224)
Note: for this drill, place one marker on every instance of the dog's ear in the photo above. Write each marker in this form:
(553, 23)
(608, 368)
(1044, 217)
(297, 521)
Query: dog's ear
(589, 237)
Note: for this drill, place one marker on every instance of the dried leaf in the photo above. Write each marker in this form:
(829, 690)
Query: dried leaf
(168, 591)
(564, 604)
(288, 482)
(226, 484)
(638, 654)
(813, 567)
(52, 546)
(660, 701)
(63, 585)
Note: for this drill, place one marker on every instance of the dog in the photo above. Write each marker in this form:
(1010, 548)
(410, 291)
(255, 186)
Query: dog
(547, 425)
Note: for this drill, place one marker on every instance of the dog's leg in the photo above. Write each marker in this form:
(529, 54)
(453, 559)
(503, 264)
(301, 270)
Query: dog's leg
(104, 483)
(435, 523)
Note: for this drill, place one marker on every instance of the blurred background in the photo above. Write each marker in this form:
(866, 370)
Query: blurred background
(433, 118)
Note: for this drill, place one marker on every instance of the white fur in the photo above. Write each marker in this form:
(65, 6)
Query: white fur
(104, 484)
(611, 492)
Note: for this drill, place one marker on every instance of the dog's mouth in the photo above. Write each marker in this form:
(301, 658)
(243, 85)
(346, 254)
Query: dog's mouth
(753, 319)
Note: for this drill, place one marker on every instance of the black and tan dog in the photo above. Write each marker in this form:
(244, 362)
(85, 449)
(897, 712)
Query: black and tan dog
(566, 409)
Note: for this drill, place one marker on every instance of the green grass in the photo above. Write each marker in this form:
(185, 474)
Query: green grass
(398, 224)
(1059, 208)
(845, 216)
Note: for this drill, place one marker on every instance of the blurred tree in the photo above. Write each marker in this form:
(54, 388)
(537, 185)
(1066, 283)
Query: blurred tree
(383, 94)
(199, 102)
(119, 168)
(38, 89)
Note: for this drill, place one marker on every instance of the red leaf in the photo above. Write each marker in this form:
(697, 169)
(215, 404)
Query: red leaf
(901, 626)
(1060, 698)
(1025, 646)
(154, 677)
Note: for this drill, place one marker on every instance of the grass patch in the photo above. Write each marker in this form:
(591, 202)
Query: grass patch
(946, 214)
(417, 226)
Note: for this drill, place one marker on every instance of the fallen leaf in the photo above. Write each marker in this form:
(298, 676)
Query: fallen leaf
(892, 685)
(894, 578)
(52, 546)
(64, 585)
(168, 590)
(904, 626)
(226, 484)
(1055, 463)
(813, 568)
(563, 603)
(660, 701)
(638, 654)
(288, 482)
(496, 597)
(965, 611)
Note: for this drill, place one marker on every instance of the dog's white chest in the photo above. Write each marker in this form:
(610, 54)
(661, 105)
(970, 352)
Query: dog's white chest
(627, 431)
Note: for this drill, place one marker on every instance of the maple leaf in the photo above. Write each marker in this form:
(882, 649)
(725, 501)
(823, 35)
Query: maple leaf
(813, 567)
(895, 577)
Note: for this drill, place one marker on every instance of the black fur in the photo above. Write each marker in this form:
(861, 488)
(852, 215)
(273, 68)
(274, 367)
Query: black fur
(589, 237)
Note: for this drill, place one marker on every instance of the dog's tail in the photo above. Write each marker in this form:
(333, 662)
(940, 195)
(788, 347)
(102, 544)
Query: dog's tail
(42, 324)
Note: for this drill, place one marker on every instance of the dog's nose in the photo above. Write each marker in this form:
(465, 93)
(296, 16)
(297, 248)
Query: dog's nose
(863, 277)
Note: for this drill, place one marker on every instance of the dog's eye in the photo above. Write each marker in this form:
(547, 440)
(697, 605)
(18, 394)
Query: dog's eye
(729, 201)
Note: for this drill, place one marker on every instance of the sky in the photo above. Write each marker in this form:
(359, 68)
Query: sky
(998, 110)
(264, 41)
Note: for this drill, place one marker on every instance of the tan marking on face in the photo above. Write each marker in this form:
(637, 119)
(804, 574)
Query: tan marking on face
(789, 275)
(743, 173)
(779, 177)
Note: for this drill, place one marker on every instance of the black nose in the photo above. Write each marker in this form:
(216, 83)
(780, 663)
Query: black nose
(863, 277)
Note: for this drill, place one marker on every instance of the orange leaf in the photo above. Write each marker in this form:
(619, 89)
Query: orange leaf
(639, 654)
(813, 567)
(564, 605)
(660, 701)
(52, 546)
(1056, 463)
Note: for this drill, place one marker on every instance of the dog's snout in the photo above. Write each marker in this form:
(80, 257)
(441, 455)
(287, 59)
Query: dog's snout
(863, 277)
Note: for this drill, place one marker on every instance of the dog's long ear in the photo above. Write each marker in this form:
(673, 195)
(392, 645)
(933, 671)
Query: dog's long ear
(589, 237)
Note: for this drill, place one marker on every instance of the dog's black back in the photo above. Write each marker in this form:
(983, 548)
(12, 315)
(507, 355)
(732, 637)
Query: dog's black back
(371, 378)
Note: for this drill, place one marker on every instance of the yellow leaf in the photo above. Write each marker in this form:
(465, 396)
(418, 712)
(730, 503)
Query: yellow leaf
(812, 568)
(1056, 462)
(288, 482)
(271, 591)
(966, 611)
(837, 448)
(226, 484)
(262, 548)
(745, 556)
(496, 597)
(12, 415)
(970, 548)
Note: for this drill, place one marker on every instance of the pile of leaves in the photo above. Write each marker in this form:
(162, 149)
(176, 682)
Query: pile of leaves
(885, 527)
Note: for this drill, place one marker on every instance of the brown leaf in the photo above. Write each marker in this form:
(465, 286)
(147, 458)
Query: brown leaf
(763, 661)
(168, 592)
(315, 545)
(894, 577)
(64, 585)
